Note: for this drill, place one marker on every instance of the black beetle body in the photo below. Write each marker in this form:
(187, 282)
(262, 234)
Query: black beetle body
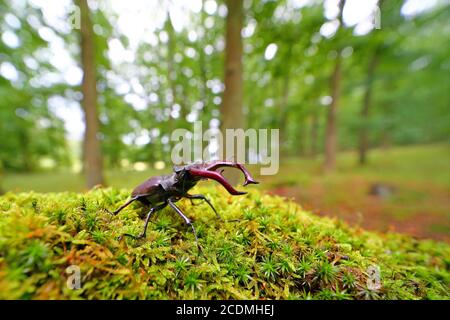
(160, 191)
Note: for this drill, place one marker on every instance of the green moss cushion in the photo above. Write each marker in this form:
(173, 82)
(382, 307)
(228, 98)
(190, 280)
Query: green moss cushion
(275, 251)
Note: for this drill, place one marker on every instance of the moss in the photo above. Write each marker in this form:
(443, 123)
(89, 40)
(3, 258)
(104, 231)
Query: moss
(275, 251)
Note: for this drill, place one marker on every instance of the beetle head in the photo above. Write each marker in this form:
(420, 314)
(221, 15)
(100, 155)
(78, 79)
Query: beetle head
(182, 173)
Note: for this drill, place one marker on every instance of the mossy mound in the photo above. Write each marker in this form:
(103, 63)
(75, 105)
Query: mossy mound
(275, 251)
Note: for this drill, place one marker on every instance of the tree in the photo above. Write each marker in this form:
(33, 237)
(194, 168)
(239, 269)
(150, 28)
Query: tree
(29, 130)
(365, 110)
(335, 88)
(92, 153)
(374, 44)
(232, 105)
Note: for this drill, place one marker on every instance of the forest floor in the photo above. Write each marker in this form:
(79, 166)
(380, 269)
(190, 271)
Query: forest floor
(403, 189)
(273, 249)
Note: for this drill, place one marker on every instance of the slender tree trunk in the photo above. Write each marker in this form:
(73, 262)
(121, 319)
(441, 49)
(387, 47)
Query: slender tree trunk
(27, 161)
(385, 140)
(171, 74)
(365, 110)
(202, 62)
(232, 104)
(115, 155)
(302, 139)
(284, 104)
(314, 135)
(83, 152)
(331, 127)
(386, 135)
(92, 152)
(331, 130)
(1, 176)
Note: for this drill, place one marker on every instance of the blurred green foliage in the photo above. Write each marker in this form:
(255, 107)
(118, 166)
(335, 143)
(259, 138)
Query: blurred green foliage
(179, 78)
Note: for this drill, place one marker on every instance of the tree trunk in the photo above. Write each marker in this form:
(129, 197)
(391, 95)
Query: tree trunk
(171, 73)
(92, 152)
(365, 110)
(27, 161)
(284, 103)
(314, 135)
(1, 176)
(385, 140)
(302, 139)
(232, 104)
(202, 61)
(331, 128)
(172, 79)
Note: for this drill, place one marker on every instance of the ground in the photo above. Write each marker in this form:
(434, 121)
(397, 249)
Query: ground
(277, 250)
(417, 180)
(419, 177)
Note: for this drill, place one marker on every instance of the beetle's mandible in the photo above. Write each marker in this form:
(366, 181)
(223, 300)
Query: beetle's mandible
(160, 191)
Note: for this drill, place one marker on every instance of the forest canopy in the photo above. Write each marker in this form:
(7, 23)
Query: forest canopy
(393, 69)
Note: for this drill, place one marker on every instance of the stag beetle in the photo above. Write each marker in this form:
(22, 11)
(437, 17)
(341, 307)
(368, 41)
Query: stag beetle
(160, 191)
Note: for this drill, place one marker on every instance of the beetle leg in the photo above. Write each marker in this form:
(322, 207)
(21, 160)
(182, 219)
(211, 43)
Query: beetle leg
(152, 210)
(186, 220)
(126, 204)
(202, 197)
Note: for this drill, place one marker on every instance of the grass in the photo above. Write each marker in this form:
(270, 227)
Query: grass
(420, 176)
(276, 251)
(63, 180)
(417, 164)
(412, 164)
